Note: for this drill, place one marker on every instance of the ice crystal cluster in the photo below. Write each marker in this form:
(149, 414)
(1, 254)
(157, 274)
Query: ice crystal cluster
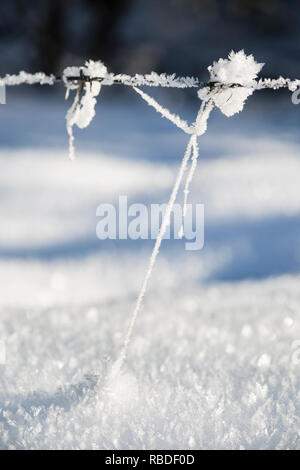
(82, 111)
(238, 69)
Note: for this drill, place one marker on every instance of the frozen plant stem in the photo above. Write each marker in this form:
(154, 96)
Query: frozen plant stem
(166, 220)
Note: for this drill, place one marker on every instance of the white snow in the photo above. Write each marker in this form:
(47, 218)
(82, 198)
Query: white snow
(210, 364)
(191, 379)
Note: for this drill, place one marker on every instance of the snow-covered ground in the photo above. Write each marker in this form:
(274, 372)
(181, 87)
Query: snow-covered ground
(214, 360)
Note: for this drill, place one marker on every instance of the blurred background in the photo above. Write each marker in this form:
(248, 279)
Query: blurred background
(136, 36)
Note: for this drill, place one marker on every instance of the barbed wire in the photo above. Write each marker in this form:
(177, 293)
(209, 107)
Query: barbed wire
(263, 83)
(151, 80)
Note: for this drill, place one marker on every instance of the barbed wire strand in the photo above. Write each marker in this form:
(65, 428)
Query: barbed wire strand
(151, 80)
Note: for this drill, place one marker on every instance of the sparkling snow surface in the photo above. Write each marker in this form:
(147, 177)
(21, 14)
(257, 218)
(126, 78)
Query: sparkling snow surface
(213, 361)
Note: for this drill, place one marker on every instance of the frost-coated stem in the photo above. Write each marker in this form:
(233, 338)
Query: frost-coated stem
(164, 112)
(164, 225)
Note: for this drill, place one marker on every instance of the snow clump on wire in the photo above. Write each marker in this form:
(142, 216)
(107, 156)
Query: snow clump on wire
(82, 111)
(238, 69)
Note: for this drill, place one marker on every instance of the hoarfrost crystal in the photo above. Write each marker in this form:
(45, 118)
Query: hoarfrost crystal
(82, 110)
(239, 72)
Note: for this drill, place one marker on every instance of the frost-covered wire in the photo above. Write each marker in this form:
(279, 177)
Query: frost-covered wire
(165, 222)
(28, 79)
(188, 182)
(70, 121)
(199, 128)
(232, 81)
(71, 76)
(82, 110)
(165, 113)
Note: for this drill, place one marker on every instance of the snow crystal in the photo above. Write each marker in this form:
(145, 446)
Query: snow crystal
(153, 79)
(231, 100)
(82, 110)
(247, 331)
(238, 69)
(264, 361)
(122, 389)
(288, 321)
